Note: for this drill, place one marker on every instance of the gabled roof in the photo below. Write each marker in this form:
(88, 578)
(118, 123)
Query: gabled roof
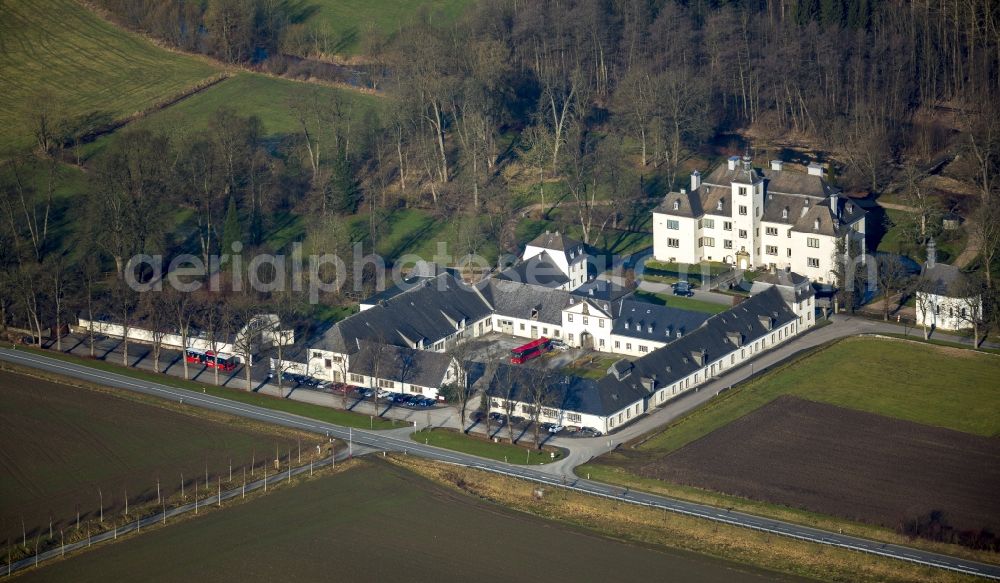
(555, 241)
(600, 290)
(537, 270)
(646, 321)
(527, 302)
(407, 365)
(425, 313)
(943, 279)
(723, 176)
(788, 182)
(688, 204)
(569, 393)
(713, 339)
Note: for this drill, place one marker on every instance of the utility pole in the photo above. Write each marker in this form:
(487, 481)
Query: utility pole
(101, 494)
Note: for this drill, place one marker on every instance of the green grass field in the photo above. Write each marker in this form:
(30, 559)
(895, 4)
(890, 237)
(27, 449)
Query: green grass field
(78, 64)
(682, 303)
(269, 98)
(62, 443)
(346, 21)
(887, 377)
(318, 412)
(504, 452)
(377, 522)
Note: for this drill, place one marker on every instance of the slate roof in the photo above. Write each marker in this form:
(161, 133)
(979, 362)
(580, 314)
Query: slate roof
(717, 336)
(647, 321)
(555, 241)
(538, 270)
(803, 196)
(570, 393)
(529, 302)
(600, 290)
(407, 365)
(943, 278)
(429, 312)
(792, 286)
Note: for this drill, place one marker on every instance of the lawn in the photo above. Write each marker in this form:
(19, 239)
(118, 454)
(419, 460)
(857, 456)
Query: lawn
(346, 21)
(682, 303)
(58, 53)
(62, 443)
(318, 412)
(481, 447)
(269, 98)
(887, 377)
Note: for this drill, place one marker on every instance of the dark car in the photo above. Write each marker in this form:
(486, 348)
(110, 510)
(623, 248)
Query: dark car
(477, 416)
(426, 402)
(516, 420)
(683, 288)
(399, 398)
(589, 432)
(498, 418)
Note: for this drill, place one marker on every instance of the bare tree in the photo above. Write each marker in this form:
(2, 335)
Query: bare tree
(183, 308)
(969, 293)
(986, 234)
(462, 389)
(125, 301)
(924, 290)
(537, 388)
(892, 276)
(153, 310)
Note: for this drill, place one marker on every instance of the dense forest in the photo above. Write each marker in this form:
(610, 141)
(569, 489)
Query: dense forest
(595, 99)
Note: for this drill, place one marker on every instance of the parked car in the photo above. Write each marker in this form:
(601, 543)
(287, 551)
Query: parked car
(547, 426)
(399, 398)
(572, 429)
(556, 429)
(498, 418)
(683, 288)
(590, 432)
(516, 420)
(364, 393)
(427, 402)
(559, 344)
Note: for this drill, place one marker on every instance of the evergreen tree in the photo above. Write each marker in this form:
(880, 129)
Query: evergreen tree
(231, 231)
(342, 191)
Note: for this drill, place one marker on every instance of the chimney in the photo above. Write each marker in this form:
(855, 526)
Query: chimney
(732, 162)
(747, 162)
(805, 207)
(777, 165)
(931, 253)
(834, 204)
(695, 180)
(816, 170)
(684, 191)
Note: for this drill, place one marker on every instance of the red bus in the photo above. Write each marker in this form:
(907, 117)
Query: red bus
(530, 350)
(221, 360)
(194, 355)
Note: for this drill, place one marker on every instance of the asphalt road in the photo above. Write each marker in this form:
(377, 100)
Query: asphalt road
(396, 441)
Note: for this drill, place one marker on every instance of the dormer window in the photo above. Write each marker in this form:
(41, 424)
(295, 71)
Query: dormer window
(718, 207)
(784, 213)
(677, 205)
(816, 225)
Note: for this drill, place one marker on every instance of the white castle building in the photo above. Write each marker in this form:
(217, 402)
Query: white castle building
(759, 219)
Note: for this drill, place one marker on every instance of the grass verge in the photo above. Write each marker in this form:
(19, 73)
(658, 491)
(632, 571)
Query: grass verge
(682, 303)
(478, 446)
(318, 412)
(658, 528)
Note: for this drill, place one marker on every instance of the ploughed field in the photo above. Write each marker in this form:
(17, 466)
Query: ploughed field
(379, 522)
(847, 463)
(60, 444)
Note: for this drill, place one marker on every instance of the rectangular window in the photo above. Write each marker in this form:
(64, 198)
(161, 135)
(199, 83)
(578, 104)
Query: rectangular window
(586, 320)
(673, 242)
(701, 223)
(600, 323)
(569, 317)
(674, 225)
(386, 384)
(743, 210)
(812, 242)
(773, 231)
(709, 223)
(317, 355)
(643, 348)
(574, 417)
(757, 211)
(727, 225)
(701, 242)
(743, 233)
(771, 250)
(727, 244)
(522, 326)
(356, 378)
(812, 262)
(710, 241)
(628, 346)
(569, 337)
(548, 412)
(743, 191)
(618, 344)
(789, 251)
(600, 342)
(328, 363)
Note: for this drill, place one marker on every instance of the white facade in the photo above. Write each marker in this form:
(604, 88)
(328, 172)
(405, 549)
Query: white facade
(945, 312)
(734, 217)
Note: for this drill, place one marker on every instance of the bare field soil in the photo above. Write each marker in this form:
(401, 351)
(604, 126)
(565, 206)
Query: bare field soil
(846, 463)
(59, 444)
(378, 522)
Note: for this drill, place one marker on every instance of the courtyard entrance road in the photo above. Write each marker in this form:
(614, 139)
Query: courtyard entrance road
(391, 441)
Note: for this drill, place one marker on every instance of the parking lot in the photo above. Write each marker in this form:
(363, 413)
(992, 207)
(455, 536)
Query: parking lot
(484, 347)
(524, 427)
